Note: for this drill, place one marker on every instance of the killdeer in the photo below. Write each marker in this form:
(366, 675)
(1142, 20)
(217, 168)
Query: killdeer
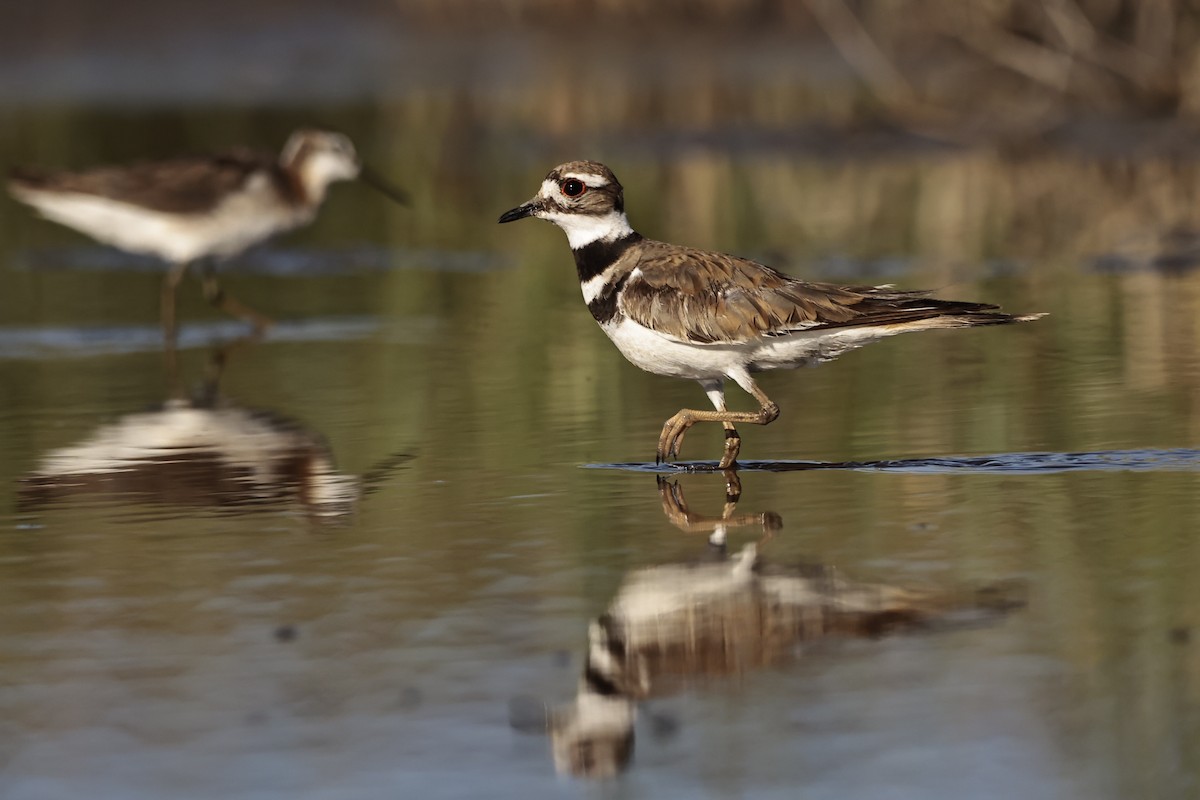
(202, 207)
(711, 317)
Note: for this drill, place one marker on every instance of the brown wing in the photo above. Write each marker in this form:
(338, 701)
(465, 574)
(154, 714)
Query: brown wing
(189, 185)
(714, 298)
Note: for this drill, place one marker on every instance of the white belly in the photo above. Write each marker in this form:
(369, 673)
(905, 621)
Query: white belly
(244, 219)
(662, 355)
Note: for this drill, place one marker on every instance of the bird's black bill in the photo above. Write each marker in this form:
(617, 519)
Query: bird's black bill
(520, 212)
(382, 185)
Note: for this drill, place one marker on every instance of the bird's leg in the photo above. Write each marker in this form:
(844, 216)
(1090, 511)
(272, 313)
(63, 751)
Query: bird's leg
(673, 431)
(217, 296)
(733, 442)
(166, 303)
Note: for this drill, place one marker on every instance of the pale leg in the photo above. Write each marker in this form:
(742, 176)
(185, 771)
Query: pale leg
(673, 431)
(167, 300)
(217, 297)
(733, 442)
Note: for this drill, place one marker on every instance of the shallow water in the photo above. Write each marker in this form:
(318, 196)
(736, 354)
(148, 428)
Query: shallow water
(418, 521)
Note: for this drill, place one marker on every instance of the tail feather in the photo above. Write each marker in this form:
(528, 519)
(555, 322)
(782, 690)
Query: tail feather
(960, 320)
(25, 184)
(922, 313)
(27, 178)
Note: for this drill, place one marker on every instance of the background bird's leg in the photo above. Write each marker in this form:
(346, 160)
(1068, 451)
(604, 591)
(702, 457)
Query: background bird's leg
(217, 296)
(673, 431)
(166, 304)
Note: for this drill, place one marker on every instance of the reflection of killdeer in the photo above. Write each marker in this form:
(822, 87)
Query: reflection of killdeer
(190, 208)
(675, 506)
(681, 623)
(687, 313)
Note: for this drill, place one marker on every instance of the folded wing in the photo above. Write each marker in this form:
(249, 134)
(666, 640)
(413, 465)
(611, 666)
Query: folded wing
(712, 298)
(181, 185)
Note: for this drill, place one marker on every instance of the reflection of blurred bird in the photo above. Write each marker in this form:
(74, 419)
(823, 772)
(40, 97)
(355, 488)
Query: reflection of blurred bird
(205, 453)
(189, 208)
(190, 455)
(687, 313)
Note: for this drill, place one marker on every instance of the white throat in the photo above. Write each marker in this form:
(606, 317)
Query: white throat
(323, 169)
(583, 229)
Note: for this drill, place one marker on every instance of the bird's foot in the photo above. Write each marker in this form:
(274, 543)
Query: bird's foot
(259, 324)
(671, 438)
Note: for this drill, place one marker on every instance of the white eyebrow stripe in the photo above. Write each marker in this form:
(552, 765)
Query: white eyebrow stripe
(590, 180)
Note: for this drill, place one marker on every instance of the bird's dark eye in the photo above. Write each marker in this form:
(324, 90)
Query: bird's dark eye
(573, 187)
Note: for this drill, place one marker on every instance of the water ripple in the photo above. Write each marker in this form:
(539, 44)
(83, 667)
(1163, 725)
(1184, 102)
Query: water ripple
(1147, 460)
(70, 342)
(274, 261)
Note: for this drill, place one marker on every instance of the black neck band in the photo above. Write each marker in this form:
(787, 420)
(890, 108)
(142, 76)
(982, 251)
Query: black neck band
(594, 258)
(598, 683)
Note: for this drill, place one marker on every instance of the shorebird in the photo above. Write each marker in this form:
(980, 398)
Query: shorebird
(712, 317)
(190, 208)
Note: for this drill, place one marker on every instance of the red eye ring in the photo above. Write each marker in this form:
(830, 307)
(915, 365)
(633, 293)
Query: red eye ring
(573, 187)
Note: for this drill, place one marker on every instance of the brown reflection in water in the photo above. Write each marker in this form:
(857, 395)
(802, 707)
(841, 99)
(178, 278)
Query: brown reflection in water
(675, 506)
(203, 452)
(676, 624)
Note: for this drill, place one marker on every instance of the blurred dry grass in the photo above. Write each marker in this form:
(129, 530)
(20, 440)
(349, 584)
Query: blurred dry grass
(997, 70)
(1014, 72)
